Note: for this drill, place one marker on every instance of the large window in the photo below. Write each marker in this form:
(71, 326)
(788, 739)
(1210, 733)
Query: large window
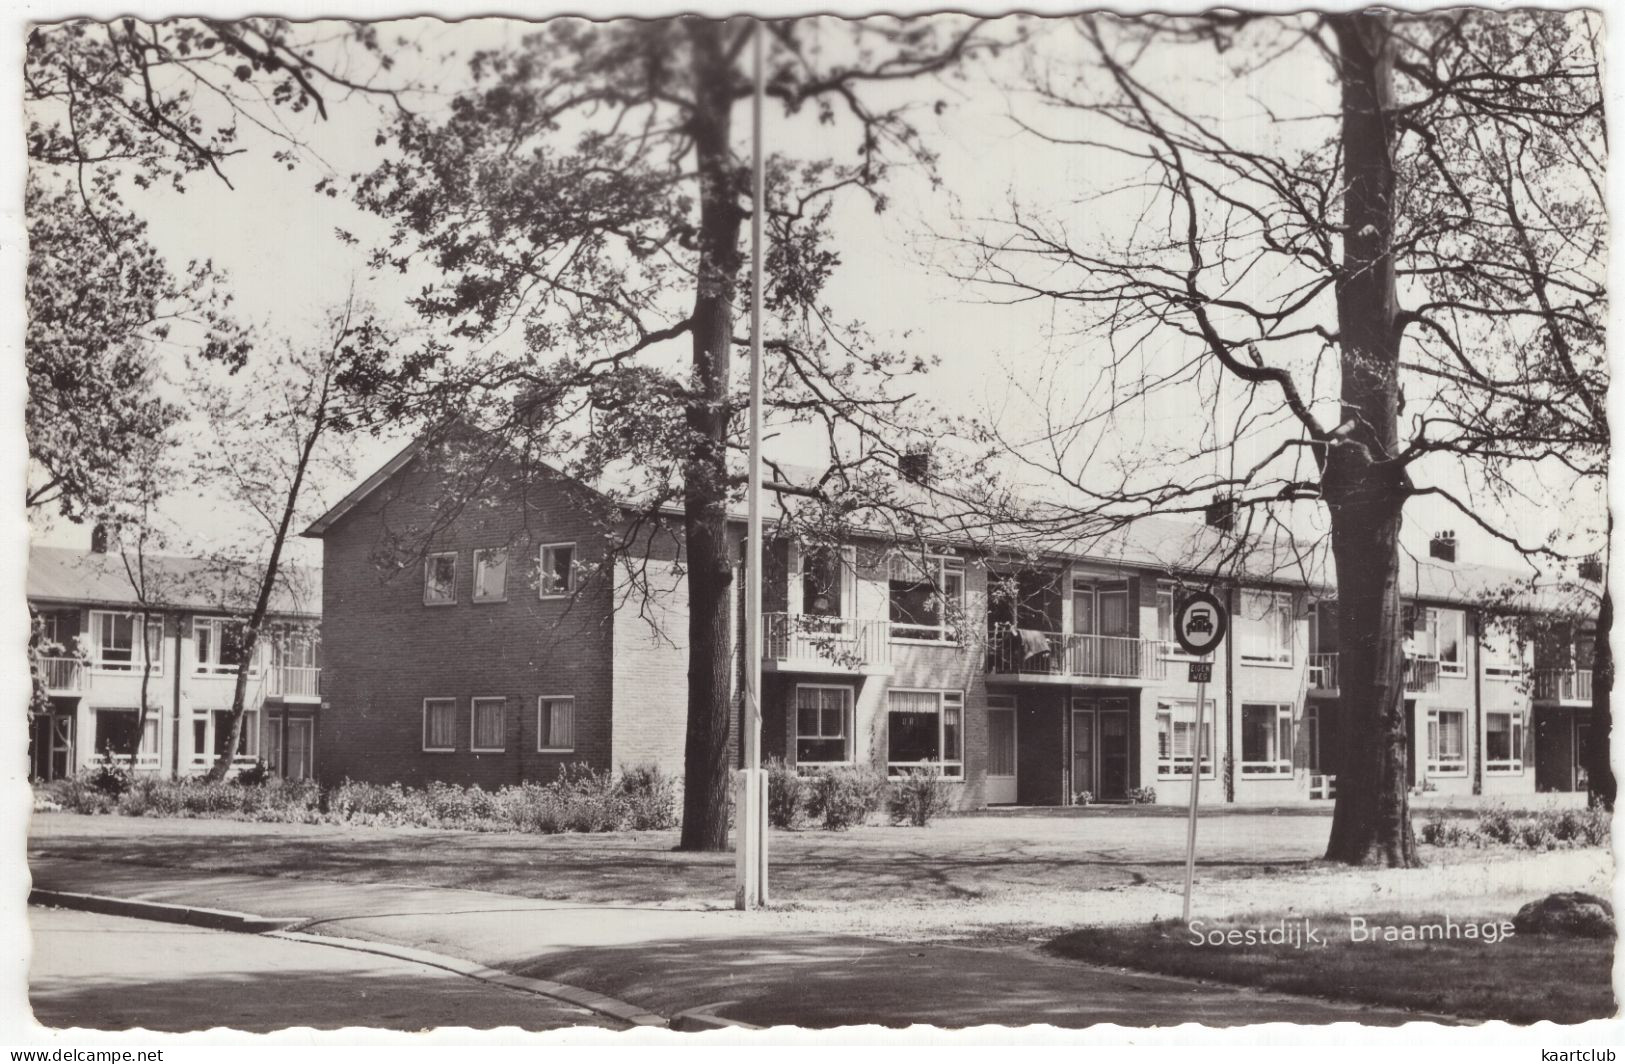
(558, 577)
(490, 575)
(555, 724)
(1447, 742)
(927, 597)
(211, 729)
(1450, 639)
(439, 725)
(440, 579)
(823, 724)
(490, 725)
(828, 588)
(1100, 608)
(925, 726)
(1176, 739)
(1503, 743)
(115, 735)
(114, 644)
(217, 646)
(1502, 652)
(1264, 627)
(1266, 739)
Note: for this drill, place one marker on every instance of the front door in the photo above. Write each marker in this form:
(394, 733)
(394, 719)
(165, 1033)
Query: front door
(1113, 747)
(53, 746)
(1554, 750)
(300, 748)
(1001, 750)
(1083, 750)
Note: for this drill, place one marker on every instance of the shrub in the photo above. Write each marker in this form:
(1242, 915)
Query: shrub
(110, 779)
(920, 796)
(843, 796)
(1439, 832)
(74, 794)
(255, 775)
(1083, 798)
(1497, 825)
(648, 797)
(786, 795)
(1142, 796)
(1536, 835)
(591, 801)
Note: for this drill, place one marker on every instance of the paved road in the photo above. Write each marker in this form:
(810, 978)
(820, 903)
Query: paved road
(109, 972)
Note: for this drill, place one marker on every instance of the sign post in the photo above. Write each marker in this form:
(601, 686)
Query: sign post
(1200, 624)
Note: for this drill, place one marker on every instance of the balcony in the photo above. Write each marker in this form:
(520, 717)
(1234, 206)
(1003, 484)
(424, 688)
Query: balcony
(800, 642)
(1564, 686)
(1421, 676)
(1028, 654)
(294, 683)
(1323, 673)
(63, 676)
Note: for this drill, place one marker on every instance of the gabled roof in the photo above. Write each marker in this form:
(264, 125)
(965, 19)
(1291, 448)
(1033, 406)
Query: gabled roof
(320, 526)
(65, 576)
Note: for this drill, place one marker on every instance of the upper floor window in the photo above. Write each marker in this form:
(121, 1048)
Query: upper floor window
(440, 579)
(1440, 635)
(927, 596)
(1264, 627)
(1167, 601)
(558, 570)
(1323, 638)
(1099, 608)
(827, 585)
(217, 645)
(293, 646)
(114, 645)
(1502, 652)
(490, 575)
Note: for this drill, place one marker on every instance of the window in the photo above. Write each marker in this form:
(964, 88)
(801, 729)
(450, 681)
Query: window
(927, 597)
(440, 579)
(113, 642)
(558, 570)
(823, 724)
(1264, 627)
(1447, 742)
(1266, 740)
(1323, 627)
(115, 735)
(1165, 612)
(1503, 743)
(827, 584)
(211, 729)
(1176, 739)
(925, 726)
(490, 725)
(555, 724)
(490, 575)
(439, 725)
(1450, 639)
(295, 647)
(1502, 653)
(217, 646)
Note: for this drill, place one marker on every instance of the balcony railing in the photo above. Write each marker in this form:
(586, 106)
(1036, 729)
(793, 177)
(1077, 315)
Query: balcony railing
(1421, 675)
(294, 682)
(1563, 685)
(63, 675)
(1028, 652)
(843, 643)
(1322, 672)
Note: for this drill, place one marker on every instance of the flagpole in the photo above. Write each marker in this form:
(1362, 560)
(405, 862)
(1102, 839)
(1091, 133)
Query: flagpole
(752, 812)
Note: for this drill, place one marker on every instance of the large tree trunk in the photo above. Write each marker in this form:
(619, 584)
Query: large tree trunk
(705, 473)
(1364, 487)
(1599, 772)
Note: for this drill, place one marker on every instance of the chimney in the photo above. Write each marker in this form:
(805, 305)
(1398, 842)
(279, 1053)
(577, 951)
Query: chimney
(914, 465)
(1221, 513)
(1443, 547)
(1591, 569)
(103, 538)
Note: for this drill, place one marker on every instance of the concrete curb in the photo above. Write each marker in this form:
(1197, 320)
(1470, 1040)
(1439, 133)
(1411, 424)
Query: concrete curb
(215, 919)
(573, 995)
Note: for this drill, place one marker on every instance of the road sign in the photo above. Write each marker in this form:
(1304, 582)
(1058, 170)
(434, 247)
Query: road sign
(1200, 623)
(1201, 672)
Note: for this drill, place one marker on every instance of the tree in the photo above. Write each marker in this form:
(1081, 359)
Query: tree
(273, 434)
(121, 104)
(1288, 265)
(589, 193)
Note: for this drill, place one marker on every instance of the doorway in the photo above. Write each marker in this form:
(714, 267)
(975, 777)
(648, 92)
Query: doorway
(1100, 748)
(52, 741)
(1001, 750)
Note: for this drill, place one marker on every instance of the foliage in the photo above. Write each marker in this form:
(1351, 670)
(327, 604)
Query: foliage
(650, 797)
(1540, 830)
(1142, 796)
(920, 796)
(786, 795)
(109, 778)
(255, 775)
(1083, 798)
(845, 795)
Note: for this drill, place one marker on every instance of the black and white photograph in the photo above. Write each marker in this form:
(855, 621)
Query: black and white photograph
(711, 526)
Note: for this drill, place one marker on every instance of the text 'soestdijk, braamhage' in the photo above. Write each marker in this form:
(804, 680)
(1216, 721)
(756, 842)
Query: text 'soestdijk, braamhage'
(1299, 932)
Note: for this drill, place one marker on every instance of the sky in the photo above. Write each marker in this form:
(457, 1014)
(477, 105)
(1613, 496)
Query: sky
(276, 239)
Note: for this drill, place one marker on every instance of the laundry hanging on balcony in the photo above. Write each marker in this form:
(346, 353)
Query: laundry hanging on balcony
(1033, 642)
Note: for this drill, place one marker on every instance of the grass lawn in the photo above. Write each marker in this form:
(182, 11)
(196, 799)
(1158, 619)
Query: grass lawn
(1520, 979)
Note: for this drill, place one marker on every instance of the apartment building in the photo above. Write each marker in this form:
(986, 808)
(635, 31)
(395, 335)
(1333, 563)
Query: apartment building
(1046, 677)
(180, 641)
